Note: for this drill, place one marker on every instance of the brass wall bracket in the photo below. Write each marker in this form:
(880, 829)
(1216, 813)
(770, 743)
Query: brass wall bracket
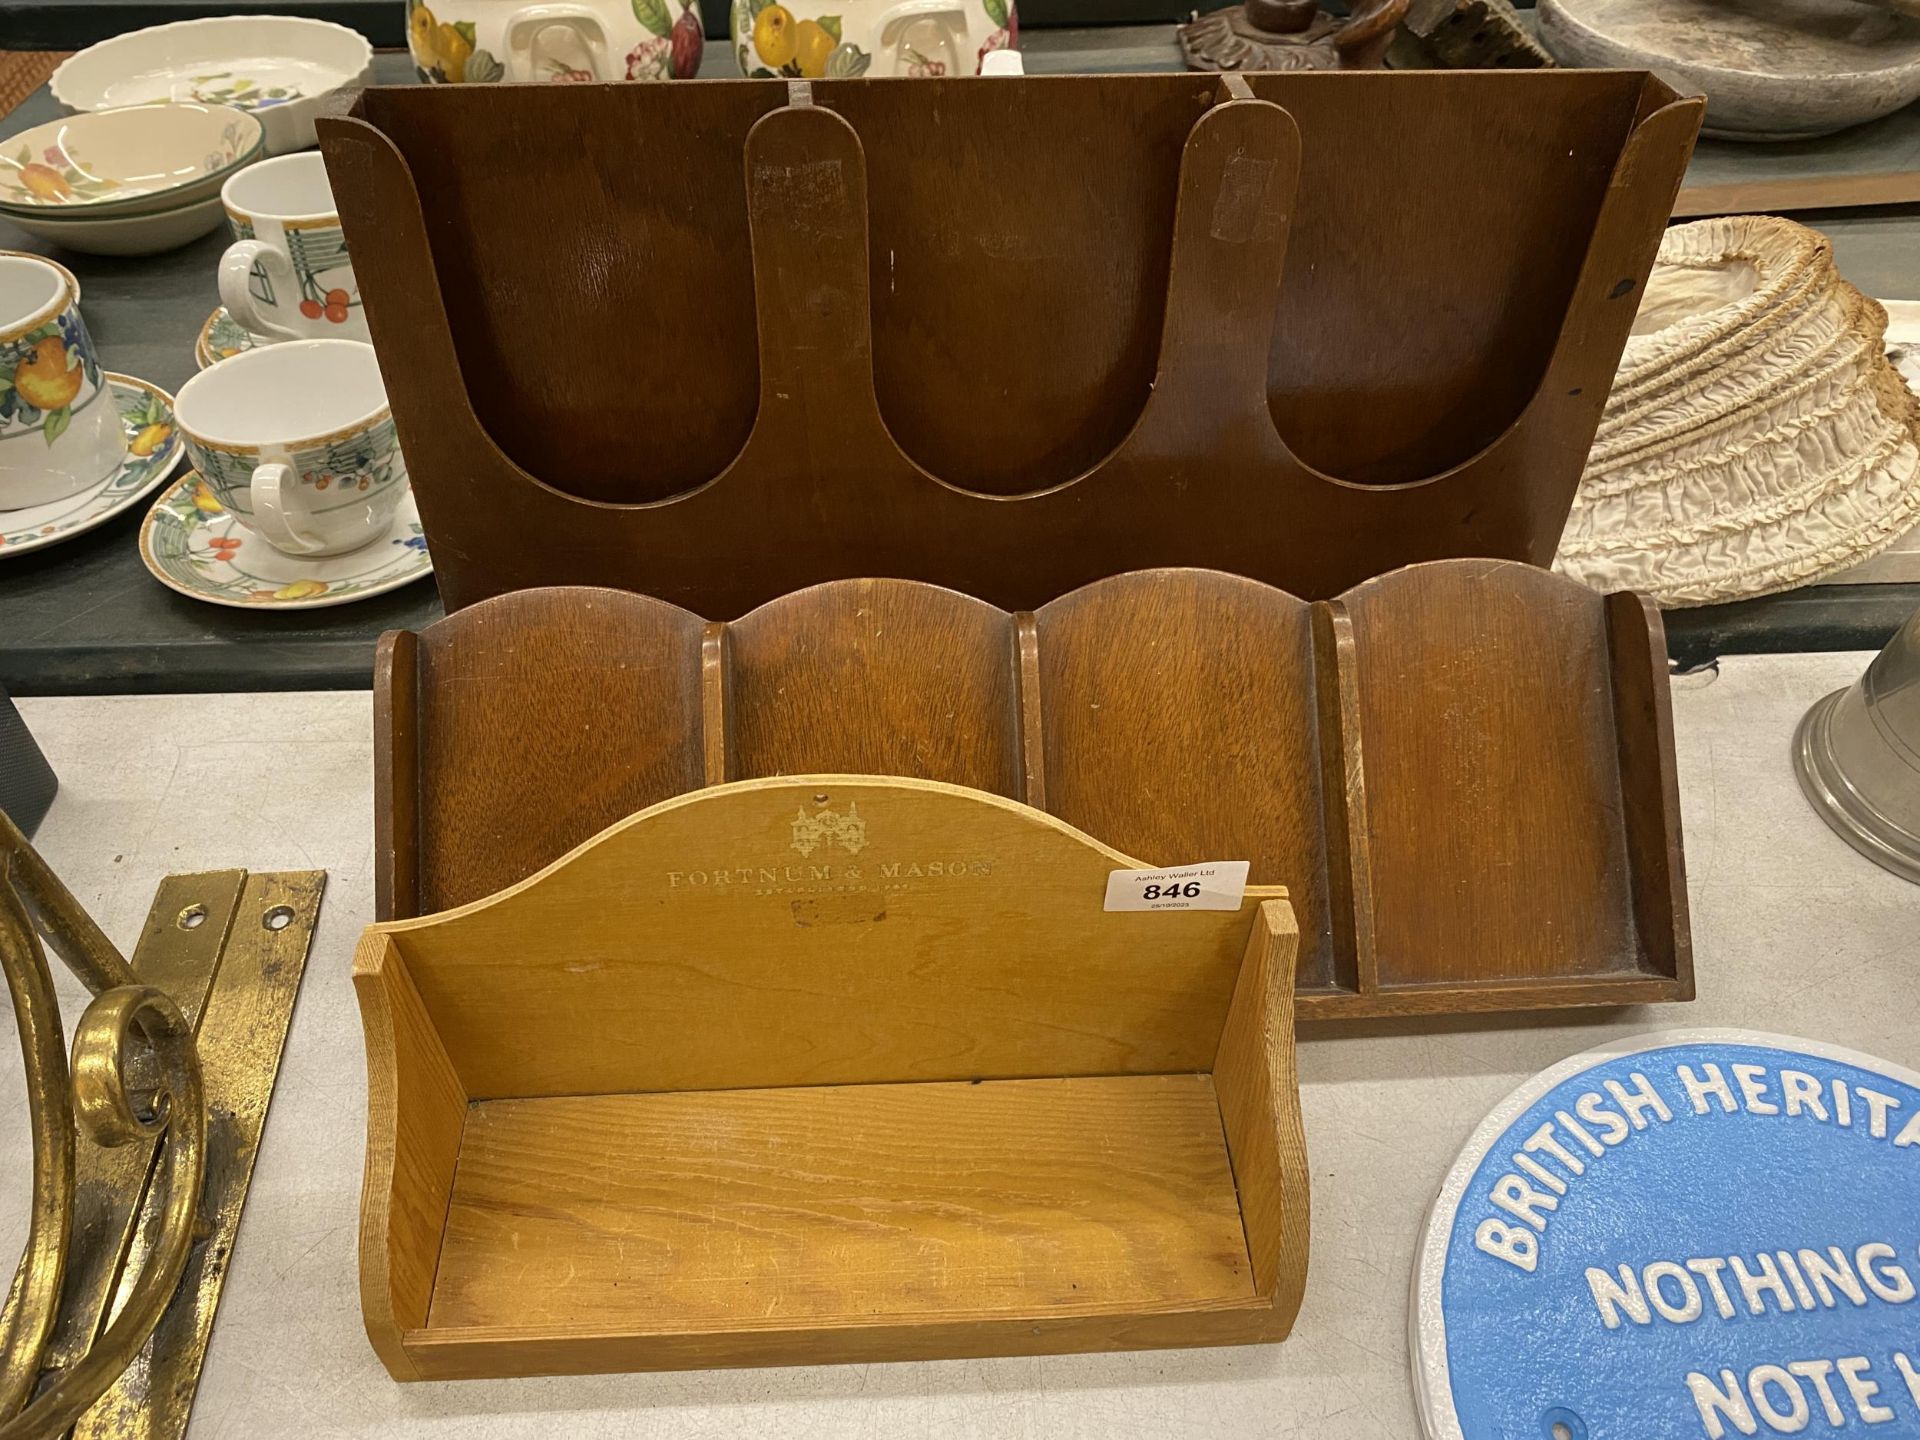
(143, 1147)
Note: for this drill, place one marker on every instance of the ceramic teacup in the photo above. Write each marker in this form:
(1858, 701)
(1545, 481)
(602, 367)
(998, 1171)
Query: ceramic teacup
(287, 276)
(297, 442)
(59, 428)
(73, 280)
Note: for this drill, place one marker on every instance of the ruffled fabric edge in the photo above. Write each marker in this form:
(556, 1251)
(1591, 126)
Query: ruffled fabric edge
(1843, 327)
(1792, 263)
(1842, 528)
(1764, 445)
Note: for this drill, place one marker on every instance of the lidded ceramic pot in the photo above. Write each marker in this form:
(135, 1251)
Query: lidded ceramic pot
(1757, 437)
(469, 41)
(817, 38)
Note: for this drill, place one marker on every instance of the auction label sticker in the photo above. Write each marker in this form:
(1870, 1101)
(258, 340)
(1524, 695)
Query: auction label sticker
(1689, 1235)
(1215, 885)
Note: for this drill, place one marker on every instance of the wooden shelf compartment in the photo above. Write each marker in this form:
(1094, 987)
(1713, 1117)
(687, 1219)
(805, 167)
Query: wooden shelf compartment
(621, 1123)
(1234, 275)
(792, 1207)
(1461, 771)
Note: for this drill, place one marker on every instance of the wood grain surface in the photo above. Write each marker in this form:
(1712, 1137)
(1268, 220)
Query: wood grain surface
(1253, 1075)
(1650, 787)
(416, 1116)
(1493, 783)
(704, 949)
(876, 677)
(1179, 720)
(659, 251)
(396, 776)
(965, 391)
(847, 328)
(986, 1117)
(1342, 793)
(535, 724)
(1365, 378)
(798, 1206)
(495, 1351)
(1463, 772)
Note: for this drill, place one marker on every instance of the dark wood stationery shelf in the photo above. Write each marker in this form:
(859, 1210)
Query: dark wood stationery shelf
(1461, 771)
(1234, 275)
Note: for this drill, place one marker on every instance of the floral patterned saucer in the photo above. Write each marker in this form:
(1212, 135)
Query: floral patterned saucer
(153, 449)
(220, 337)
(196, 548)
(191, 544)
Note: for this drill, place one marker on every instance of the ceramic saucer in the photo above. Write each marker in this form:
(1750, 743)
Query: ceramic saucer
(153, 449)
(194, 546)
(220, 337)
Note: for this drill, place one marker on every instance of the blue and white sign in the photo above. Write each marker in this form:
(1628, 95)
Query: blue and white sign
(1691, 1235)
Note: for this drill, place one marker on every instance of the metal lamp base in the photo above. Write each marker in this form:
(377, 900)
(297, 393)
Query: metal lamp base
(1840, 803)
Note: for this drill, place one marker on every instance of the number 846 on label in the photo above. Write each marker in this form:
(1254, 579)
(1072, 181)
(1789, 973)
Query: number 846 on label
(1214, 885)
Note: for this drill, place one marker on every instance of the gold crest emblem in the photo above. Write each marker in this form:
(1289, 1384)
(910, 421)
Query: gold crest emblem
(824, 828)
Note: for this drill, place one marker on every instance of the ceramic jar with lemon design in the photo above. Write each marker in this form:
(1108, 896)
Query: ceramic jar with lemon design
(471, 41)
(819, 38)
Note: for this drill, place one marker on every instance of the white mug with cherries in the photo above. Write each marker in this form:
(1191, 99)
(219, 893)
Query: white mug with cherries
(287, 275)
(296, 441)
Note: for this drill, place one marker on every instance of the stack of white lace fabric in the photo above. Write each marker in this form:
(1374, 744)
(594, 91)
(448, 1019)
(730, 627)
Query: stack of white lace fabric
(1757, 437)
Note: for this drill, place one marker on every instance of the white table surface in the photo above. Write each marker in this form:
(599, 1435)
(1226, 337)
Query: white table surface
(1792, 932)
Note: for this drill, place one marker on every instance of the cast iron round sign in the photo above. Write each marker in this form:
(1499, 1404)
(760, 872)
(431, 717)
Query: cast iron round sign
(1690, 1235)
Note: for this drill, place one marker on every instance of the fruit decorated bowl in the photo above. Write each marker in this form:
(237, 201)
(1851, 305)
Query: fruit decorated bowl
(112, 164)
(278, 68)
(460, 42)
(124, 235)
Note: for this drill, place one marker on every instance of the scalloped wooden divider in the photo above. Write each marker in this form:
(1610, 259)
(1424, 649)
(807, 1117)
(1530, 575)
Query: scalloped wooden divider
(886, 1022)
(1178, 716)
(1011, 338)
(930, 672)
(1462, 771)
(519, 734)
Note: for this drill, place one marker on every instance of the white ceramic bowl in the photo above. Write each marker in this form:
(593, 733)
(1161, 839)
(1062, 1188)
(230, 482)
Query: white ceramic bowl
(146, 205)
(277, 67)
(131, 161)
(127, 235)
